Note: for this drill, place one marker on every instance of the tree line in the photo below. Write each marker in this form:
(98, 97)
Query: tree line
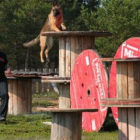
(22, 20)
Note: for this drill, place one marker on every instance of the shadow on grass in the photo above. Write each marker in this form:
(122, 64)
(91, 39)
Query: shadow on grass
(109, 124)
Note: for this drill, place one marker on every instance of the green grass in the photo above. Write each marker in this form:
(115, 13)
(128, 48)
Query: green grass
(43, 104)
(30, 127)
(46, 95)
(113, 135)
(25, 127)
(44, 100)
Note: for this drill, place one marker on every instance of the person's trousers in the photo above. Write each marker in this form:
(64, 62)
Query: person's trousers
(4, 98)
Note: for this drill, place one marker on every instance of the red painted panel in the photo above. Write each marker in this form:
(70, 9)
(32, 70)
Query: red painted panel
(88, 86)
(128, 49)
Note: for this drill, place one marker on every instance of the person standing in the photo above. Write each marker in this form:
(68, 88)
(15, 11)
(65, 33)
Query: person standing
(3, 86)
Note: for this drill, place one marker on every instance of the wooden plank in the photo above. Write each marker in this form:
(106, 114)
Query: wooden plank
(123, 131)
(64, 98)
(78, 33)
(130, 80)
(20, 105)
(15, 95)
(70, 110)
(120, 100)
(107, 59)
(119, 81)
(76, 126)
(68, 57)
(124, 123)
(28, 95)
(137, 123)
(54, 127)
(10, 92)
(55, 78)
(76, 48)
(120, 59)
(136, 79)
(121, 106)
(131, 123)
(120, 123)
(55, 81)
(124, 78)
(62, 131)
(62, 57)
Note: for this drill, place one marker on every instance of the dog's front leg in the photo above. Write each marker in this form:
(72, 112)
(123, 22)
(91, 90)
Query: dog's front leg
(63, 26)
(42, 47)
(49, 46)
(55, 28)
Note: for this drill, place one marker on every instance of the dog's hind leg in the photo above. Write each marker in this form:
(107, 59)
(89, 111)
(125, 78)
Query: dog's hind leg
(42, 47)
(49, 46)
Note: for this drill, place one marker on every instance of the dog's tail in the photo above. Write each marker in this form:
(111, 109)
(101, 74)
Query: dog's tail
(32, 42)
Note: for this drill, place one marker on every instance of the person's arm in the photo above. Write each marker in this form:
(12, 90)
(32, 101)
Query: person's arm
(7, 69)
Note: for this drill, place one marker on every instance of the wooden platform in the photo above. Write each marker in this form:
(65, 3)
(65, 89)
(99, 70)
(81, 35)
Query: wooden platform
(67, 123)
(69, 110)
(55, 79)
(120, 102)
(120, 59)
(78, 33)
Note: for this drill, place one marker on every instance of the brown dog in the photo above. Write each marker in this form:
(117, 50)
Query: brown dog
(53, 23)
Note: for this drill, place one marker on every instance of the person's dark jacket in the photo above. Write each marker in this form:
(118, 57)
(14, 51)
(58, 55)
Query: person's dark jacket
(3, 63)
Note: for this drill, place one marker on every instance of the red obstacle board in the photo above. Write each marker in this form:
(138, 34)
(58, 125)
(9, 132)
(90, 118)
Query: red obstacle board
(88, 86)
(128, 49)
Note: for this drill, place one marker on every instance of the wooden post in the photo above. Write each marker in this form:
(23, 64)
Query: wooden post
(66, 123)
(69, 48)
(20, 92)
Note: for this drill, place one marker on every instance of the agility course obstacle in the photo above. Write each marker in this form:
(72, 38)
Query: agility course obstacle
(127, 98)
(128, 49)
(71, 44)
(78, 95)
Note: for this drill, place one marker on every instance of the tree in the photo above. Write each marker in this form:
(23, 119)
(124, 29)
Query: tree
(21, 21)
(119, 17)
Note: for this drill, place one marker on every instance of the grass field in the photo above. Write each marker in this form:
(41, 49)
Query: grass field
(31, 127)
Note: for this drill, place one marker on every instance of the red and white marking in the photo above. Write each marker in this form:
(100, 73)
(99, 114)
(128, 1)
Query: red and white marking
(88, 86)
(129, 49)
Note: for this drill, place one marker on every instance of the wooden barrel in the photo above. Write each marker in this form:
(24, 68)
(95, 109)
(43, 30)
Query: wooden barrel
(20, 92)
(128, 87)
(66, 123)
(69, 48)
(128, 98)
(71, 44)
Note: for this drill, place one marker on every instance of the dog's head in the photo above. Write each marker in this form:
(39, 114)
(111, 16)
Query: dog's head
(57, 10)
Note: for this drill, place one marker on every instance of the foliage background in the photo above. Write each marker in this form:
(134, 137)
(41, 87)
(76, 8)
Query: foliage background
(22, 20)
